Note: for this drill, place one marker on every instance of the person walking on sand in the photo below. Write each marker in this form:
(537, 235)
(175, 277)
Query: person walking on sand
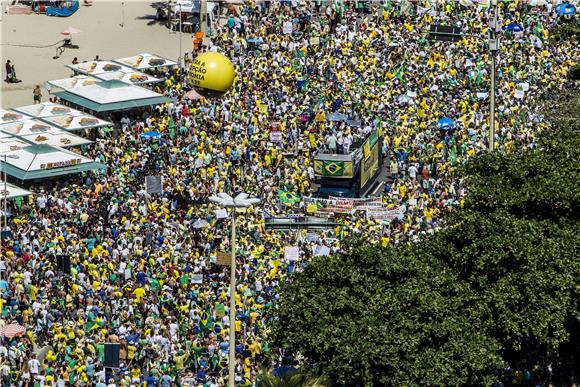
(37, 93)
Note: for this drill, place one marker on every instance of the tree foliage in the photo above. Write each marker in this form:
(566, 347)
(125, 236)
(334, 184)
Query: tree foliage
(385, 317)
(498, 284)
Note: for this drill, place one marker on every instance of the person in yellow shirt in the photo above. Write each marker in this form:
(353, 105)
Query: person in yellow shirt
(139, 293)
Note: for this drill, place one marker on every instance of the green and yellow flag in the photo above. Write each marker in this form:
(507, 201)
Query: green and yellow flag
(288, 198)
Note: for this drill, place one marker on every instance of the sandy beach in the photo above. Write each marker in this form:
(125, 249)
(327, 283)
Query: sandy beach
(109, 29)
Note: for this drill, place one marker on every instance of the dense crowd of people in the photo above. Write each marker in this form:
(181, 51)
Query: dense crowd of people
(136, 258)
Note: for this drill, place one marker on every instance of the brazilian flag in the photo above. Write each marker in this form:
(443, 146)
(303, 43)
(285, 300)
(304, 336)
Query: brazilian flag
(206, 320)
(288, 198)
(333, 168)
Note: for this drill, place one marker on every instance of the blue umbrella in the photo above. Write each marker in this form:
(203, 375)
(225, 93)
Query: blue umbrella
(283, 371)
(336, 117)
(513, 27)
(151, 134)
(445, 124)
(565, 10)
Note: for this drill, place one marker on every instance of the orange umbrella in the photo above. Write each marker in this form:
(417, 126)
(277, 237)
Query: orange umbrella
(70, 31)
(12, 330)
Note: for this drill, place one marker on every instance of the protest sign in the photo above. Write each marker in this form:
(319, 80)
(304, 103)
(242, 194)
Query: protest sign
(291, 253)
(221, 213)
(223, 259)
(287, 28)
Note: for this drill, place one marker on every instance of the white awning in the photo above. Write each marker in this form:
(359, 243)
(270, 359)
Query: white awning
(27, 127)
(47, 109)
(112, 96)
(9, 115)
(69, 83)
(62, 139)
(72, 122)
(145, 61)
(128, 76)
(98, 67)
(41, 161)
(62, 116)
(13, 191)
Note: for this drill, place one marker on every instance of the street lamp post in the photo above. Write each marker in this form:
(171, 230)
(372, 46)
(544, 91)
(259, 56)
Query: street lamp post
(242, 200)
(493, 43)
(5, 193)
(180, 29)
(494, 26)
(203, 17)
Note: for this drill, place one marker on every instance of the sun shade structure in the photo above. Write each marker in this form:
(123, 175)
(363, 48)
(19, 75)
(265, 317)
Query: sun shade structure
(13, 191)
(76, 81)
(111, 96)
(106, 71)
(62, 139)
(129, 76)
(12, 144)
(145, 61)
(27, 127)
(42, 161)
(63, 117)
(97, 67)
(70, 31)
(8, 115)
(12, 330)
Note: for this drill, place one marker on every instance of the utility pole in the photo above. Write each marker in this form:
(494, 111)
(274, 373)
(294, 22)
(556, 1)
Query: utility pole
(180, 48)
(203, 17)
(494, 25)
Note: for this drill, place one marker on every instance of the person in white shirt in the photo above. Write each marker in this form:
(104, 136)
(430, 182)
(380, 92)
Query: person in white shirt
(33, 365)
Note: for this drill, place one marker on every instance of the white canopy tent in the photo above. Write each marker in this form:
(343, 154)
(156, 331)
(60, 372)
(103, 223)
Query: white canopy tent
(12, 144)
(112, 96)
(69, 83)
(62, 139)
(130, 76)
(97, 67)
(42, 110)
(145, 61)
(41, 161)
(28, 127)
(71, 122)
(63, 117)
(8, 115)
(191, 6)
(13, 191)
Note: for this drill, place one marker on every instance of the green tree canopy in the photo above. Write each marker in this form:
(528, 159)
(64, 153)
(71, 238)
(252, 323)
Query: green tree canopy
(387, 317)
(499, 283)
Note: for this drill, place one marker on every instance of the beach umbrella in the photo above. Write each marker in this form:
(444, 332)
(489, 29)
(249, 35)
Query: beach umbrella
(12, 330)
(151, 134)
(336, 117)
(192, 95)
(404, 99)
(445, 124)
(565, 10)
(513, 27)
(70, 31)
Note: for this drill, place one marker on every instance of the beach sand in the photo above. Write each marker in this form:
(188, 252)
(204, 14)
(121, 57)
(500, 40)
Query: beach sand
(104, 32)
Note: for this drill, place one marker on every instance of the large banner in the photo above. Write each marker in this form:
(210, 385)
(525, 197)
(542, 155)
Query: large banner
(341, 205)
(370, 162)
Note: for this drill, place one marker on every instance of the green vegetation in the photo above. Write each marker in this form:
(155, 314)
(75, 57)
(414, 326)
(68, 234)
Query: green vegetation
(498, 286)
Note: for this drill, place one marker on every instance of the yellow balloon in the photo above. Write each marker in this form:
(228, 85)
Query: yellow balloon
(211, 74)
